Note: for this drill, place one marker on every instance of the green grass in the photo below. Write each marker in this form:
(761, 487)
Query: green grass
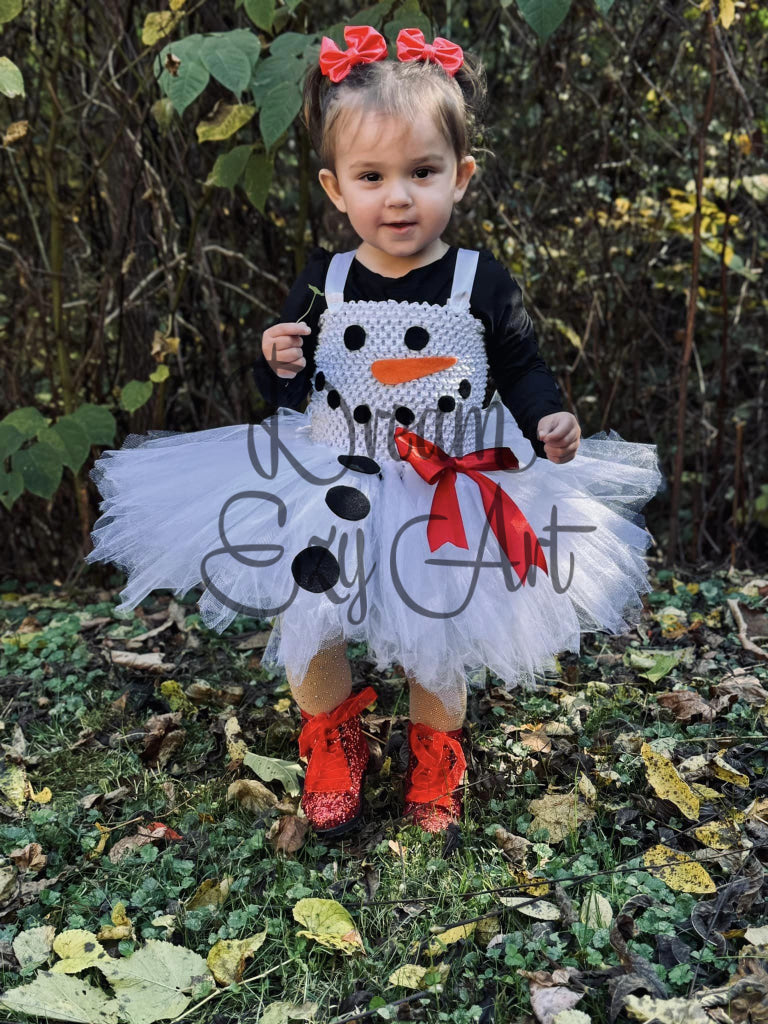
(83, 720)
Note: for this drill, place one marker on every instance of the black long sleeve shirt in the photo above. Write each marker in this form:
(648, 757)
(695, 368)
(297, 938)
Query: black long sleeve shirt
(525, 384)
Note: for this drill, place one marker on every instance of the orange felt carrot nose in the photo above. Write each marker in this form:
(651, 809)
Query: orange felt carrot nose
(398, 371)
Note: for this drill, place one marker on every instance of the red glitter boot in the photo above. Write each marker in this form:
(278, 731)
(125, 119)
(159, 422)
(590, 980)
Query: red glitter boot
(338, 754)
(436, 767)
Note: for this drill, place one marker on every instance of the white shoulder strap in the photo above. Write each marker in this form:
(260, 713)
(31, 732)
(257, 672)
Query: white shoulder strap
(338, 269)
(463, 278)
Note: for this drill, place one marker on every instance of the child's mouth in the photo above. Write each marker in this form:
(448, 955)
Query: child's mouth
(400, 226)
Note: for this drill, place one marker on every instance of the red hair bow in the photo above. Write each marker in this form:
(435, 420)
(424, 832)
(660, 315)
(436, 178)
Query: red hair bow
(364, 44)
(412, 46)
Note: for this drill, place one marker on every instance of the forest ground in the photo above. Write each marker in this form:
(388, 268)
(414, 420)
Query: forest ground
(611, 855)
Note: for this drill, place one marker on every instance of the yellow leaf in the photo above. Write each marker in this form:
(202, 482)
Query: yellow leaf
(43, 797)
(121, 927)
(329, 924)
(542, 910)
(529, 884)
(727, 13)
(13, 784)
(284, 704)
(412, 976)
(705, 792)
(224, 122)
(211, 893)
(677, 870)
(237, 748)
(560, 814)
(718, 835)
(176, 5)
(449, 936)
(103, 837)
(78, 950)
(226, 959)
(158, 24)
(724, 771)
(15, 131)
(667, 784)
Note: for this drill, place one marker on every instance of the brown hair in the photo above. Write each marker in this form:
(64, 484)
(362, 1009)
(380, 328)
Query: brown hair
(401, 89)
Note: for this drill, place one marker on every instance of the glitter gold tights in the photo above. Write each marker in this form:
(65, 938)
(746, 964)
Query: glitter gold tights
(328, 682)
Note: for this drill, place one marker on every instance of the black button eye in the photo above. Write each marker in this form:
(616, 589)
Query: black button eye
(416, 338)
(354, 337)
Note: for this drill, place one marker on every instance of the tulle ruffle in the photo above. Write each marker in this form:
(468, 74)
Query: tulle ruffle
(235, 509)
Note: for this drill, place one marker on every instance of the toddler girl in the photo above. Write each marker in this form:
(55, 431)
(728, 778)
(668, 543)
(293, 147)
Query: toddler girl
(404, 508)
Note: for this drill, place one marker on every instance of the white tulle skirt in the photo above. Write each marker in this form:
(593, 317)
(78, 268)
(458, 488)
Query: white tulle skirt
(235, 509)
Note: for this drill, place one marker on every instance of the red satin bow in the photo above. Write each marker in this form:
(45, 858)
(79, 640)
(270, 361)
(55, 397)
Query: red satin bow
(515, 534)
(412, 46)
(364, 44)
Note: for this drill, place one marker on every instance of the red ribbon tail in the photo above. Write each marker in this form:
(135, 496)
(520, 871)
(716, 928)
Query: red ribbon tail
(514, 533)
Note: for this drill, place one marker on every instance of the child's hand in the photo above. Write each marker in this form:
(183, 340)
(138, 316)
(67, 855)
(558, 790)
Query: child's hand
(281, 345)
(561, 433)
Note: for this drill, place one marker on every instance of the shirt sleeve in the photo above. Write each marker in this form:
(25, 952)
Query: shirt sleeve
(525, 383)
(301, 304)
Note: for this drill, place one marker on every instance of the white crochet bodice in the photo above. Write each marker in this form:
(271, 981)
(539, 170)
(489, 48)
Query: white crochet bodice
(361, 391)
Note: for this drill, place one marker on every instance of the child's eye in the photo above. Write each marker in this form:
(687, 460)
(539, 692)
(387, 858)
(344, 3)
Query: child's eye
(425, 170)
(369, 175)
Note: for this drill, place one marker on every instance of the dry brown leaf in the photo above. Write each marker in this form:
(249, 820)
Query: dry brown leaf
(514, 846)
(742, 687)
(686, 705)
(164, 737)
(252, 795)
(29, 858)
(151, 662)
(289, 833)
(127, 845)
(550, 993)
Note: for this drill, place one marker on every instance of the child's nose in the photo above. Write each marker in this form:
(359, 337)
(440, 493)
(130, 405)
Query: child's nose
(398, 193)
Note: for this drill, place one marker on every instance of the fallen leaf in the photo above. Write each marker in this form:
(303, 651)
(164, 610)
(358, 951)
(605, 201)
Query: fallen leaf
(756, 936)
(550, 994)
(516, 847)
(686, 705)
(539, 909)
(33, 947)
(667, 1011)
(677, 870)
(155, 982)
(718, 835)
(60, 997)
(151, 662)
(666, 782)
(252, 795)
(29, 858)
(412, 975)
(226, 959)
(596, 911)
(127, 845)
(121, 927)
(211, 893)
(329, 924)
(273, 768)
(560, 814)
(78, 950)
(449, 936)
(289, 833)
(283, 1012)
(728, 774)
(237, 748)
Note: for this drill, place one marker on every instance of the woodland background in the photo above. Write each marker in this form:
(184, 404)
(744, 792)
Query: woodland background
(154, 215)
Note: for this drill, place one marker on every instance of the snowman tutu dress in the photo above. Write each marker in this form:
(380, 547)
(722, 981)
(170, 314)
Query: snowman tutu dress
(395, 510)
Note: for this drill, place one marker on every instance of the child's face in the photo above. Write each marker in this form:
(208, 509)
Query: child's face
(389, 172)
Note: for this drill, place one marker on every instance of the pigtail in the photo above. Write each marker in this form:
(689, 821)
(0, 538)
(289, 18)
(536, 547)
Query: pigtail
(471, 79)
(316, 88)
